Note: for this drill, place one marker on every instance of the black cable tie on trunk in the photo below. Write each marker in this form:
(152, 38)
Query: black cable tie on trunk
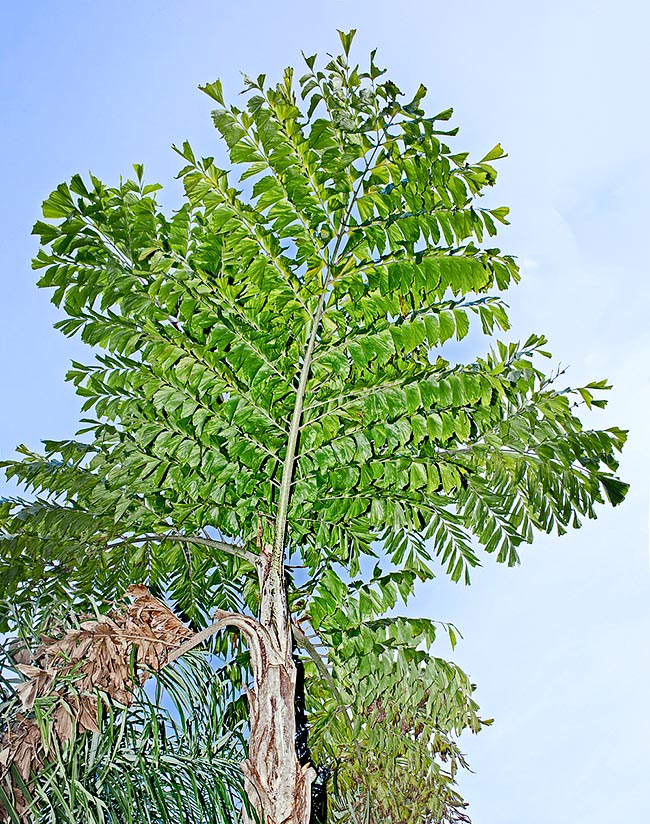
(303, 753)
(302, 726)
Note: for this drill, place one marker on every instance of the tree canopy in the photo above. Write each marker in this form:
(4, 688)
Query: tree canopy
(270, 371)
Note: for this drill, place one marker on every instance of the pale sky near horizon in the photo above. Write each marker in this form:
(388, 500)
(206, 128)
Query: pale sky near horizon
(560, 646)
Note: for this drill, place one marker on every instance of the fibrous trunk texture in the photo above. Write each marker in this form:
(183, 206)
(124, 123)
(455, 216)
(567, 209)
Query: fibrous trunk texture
(278, 786)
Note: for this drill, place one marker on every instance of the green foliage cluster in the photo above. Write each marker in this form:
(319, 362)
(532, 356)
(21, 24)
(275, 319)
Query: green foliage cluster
(389, 713)
(271, 367)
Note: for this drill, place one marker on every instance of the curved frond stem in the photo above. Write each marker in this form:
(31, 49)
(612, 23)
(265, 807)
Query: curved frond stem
(292, 439)
(198, 639)
(294, 431)
(109, 243)
(321, 666)
(222, 546)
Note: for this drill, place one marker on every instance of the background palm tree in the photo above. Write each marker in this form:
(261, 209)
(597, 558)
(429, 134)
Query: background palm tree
(171, 755)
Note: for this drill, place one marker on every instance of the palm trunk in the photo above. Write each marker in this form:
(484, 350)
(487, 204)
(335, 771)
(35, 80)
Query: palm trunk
(278, 787)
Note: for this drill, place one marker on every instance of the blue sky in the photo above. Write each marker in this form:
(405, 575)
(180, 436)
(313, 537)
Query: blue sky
(559, 646)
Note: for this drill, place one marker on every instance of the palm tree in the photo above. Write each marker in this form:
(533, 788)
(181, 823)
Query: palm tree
(168, 751)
